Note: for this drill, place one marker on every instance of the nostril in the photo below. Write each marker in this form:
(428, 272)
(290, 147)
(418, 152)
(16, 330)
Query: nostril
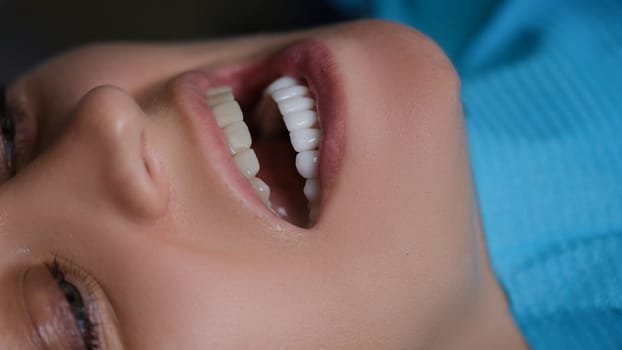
(148, 168)
(147, 158)
(153, 197)
(112, 124)
(134, 176)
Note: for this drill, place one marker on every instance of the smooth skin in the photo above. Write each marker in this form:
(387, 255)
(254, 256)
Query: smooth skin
(114, 185)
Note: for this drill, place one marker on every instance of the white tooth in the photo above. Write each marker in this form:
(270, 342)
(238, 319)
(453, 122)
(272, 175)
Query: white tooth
(227, 113)
(238, 136)
(247, 162)
(262, 189)
(290, 92)
(296, 104)
(219, 99)
(305, 139)
(300, 120)
(307, 163)
(281, 83)
(312, 190)
(218, 90)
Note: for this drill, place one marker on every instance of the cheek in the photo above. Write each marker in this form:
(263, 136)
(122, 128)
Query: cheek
(211, 300)
(214, 300)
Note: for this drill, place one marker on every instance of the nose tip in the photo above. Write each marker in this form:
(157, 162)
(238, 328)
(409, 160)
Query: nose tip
(109, 121)
(109, 114)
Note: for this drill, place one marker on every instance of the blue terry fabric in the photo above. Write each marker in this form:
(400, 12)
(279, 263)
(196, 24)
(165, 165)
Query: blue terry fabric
(542, 90)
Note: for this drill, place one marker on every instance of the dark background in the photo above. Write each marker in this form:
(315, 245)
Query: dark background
(32, 30)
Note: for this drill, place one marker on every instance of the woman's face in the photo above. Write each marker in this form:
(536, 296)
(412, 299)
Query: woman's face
(125, 199)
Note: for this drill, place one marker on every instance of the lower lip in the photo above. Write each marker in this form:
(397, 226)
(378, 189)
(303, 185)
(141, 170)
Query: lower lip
(310, 60)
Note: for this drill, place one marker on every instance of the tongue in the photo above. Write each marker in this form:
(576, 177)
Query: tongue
(278, 170)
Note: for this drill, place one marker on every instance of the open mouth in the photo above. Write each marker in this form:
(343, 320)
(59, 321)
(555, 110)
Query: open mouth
(273, 134)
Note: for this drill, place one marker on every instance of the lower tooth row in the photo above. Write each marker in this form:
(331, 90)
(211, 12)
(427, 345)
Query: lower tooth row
(298, 111)
(299, 114)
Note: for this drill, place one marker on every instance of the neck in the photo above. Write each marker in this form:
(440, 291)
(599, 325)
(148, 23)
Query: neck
(490, 326)
(488, 323)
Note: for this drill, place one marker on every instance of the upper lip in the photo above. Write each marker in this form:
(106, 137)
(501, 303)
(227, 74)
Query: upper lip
(311, 60)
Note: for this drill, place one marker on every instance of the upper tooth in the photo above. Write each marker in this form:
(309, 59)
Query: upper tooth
(214, 100)
(281, 83)
(247, 162)
(290, 92)
(300, 120)
(238, 136)
(305, 139)
(262, 189)
(296, 104)
(228, 116)
(217, 90)
(307, 164)
(312, 190)
(227, 113)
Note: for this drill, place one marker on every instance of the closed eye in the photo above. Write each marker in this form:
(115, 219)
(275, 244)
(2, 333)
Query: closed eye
(7, 132)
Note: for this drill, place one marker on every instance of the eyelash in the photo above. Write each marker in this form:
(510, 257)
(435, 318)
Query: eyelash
(10, 131)
(59, 269)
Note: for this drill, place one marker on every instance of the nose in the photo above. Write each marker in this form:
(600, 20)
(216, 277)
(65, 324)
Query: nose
(106, 150)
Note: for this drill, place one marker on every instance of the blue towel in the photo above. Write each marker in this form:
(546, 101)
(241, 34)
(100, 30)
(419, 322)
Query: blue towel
(542, 90)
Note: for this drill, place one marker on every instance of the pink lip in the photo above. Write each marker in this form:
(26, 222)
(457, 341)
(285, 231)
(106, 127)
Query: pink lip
(311, 60)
